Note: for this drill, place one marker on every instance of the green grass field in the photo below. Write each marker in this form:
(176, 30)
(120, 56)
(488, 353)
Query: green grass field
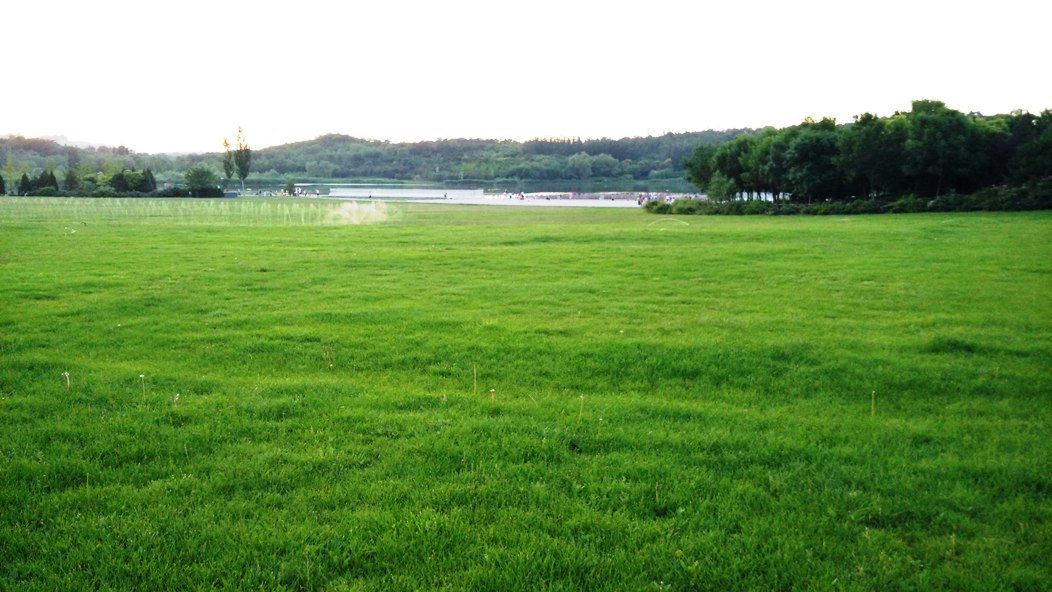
(262, 395)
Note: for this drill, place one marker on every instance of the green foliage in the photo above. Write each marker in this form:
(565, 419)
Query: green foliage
(930, 151)
(580, 165)
(697, 168)
(658, 206)
(70, 181)
(228, 160)
(451, 161)
(1033, 159)
(203, 181)
(242, 158)
(3, 186)
(45, 191)
(721, 188)
(1031, 196)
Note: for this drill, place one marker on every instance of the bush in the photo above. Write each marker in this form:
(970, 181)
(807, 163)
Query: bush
(658, 206)
(1035, 195)
(172, 191)
(755, 207)
(45, 192)
(908, 204)
(690, 206)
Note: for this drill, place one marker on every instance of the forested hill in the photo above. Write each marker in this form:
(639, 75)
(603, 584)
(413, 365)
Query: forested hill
(463, 159)
(338, 156)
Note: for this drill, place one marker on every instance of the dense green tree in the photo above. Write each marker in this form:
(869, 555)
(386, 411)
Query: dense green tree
(810, 170)
(119, 182)
(1033, 159)
(580, 165)
(320, 169)
(202, 180)
(939, 152)
(134, 179)
(604, 165)
(766, 161)
(70, 180)
(149, 183)
(870, 154)
(697, 167)
(3, 186)
(24, 184)
(730, 161)
(10, 170)
(720, 188)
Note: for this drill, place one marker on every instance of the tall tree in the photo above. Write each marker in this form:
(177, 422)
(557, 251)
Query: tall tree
(938, 151)
(242, 158)
(810, 172)
(697, 167)
(149, 183)
(70, 180)
(3, 188)
(10, 171)
(228, 160)
(871, 154)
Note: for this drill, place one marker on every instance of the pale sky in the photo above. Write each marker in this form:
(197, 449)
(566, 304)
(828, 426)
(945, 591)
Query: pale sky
(179, 76)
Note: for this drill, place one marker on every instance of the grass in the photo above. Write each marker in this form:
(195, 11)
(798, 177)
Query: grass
(263, 396)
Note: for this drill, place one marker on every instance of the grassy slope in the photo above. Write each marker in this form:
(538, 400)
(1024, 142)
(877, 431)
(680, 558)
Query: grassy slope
(681, 405)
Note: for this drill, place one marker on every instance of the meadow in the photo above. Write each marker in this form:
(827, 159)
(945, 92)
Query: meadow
(306, 395)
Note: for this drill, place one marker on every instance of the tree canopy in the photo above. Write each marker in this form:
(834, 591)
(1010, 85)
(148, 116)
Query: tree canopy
(927, 152)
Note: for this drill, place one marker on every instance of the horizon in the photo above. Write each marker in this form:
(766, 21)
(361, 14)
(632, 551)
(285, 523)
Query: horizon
(468, 69)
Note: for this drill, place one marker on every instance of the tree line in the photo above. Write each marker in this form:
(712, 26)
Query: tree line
(929, 152)
(111, 177)
(345, 157)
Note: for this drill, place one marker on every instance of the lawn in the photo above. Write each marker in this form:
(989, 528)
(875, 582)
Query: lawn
(283, 394)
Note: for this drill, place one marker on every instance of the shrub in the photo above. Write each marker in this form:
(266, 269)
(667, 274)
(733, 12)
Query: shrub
(172, 191)
(757, 207)
(908, 204)
(1035, 195)
(657, 206)
(690, 206)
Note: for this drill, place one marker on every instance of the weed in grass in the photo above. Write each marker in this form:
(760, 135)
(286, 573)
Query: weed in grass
(65, 375)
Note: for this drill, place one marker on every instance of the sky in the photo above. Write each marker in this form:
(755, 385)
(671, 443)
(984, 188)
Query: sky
(180, 76)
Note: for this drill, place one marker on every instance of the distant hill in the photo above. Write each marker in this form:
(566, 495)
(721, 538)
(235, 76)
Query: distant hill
(337, 156)
(340, 156)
